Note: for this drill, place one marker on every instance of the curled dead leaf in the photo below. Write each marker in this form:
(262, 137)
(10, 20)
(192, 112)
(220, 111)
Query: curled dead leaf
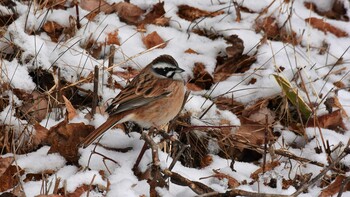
(191, 13)
(71, 112)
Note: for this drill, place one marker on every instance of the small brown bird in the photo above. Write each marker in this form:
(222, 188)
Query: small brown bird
(153, 98)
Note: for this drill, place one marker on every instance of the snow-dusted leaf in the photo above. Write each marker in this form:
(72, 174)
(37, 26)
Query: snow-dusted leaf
(321, 25)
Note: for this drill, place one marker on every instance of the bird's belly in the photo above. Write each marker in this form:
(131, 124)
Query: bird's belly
(160, 113)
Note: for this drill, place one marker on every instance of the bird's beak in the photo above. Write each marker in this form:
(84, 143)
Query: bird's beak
(179, 70)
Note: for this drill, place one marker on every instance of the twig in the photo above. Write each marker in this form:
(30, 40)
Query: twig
(110, 64)
(183, 148)
(197, 187)
(77, 12)
(95, 93)
(238, 192)
(138, 160)
(156, 179)
(345, 152)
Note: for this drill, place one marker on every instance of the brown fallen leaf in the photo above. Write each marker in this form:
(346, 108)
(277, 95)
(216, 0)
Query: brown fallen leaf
(36, 106)
(337, 11)
(268, 167)
(40, 136)
(53, 29)
(335, 186)
(232, 182)
(321, 25)
(191, 13)
(206, 161)
(234, 62)
(191, 51)
(272, 31)
(152, 40)
(96, 6)
(5, 163)
(155, 16)
(224, 103)
(251, 133)
(65, 138)
(112, 38)
(201, 80)
(332, 121)
(71, 112)
(128, 12)
(10, 177)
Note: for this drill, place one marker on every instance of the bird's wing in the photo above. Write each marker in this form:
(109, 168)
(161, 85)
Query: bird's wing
(142, 90)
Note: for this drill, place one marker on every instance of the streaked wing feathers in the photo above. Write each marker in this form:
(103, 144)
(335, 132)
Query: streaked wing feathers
(142, 90)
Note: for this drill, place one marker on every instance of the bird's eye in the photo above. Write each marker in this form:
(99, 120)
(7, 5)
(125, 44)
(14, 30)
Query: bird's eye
(165, 71)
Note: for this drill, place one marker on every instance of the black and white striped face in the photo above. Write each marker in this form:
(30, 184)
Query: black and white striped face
(166, 66)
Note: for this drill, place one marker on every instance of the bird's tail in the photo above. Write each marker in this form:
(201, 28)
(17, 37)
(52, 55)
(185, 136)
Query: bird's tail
(110, 122)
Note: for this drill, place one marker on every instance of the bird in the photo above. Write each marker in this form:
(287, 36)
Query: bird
(152, 98)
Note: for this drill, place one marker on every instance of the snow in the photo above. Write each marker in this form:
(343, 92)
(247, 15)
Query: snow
(302, 62)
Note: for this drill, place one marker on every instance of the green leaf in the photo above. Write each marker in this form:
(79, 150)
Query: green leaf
(293, 96)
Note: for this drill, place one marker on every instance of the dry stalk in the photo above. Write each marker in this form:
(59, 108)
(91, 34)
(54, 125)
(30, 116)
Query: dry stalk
(345, 152)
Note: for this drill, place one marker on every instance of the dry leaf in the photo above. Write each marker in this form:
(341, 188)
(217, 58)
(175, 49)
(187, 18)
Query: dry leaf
(335, 186)
(112, 38)
(337, 11)
(232, 182)
(40, 136)
(321, 25)
(224, 103)
(35, 107)
(65, 138)
(156, 16)
(206, 161)
(5, 163)
(191, 13)
(72, 113)
(53, 29)
(10, 177)
(235, 62)
(128, 12)
(201, 80)
(268, 167)
(332, 121)
(152, 40)
(252, 133)
(191, 51)
(272, 31)
(96, 6)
